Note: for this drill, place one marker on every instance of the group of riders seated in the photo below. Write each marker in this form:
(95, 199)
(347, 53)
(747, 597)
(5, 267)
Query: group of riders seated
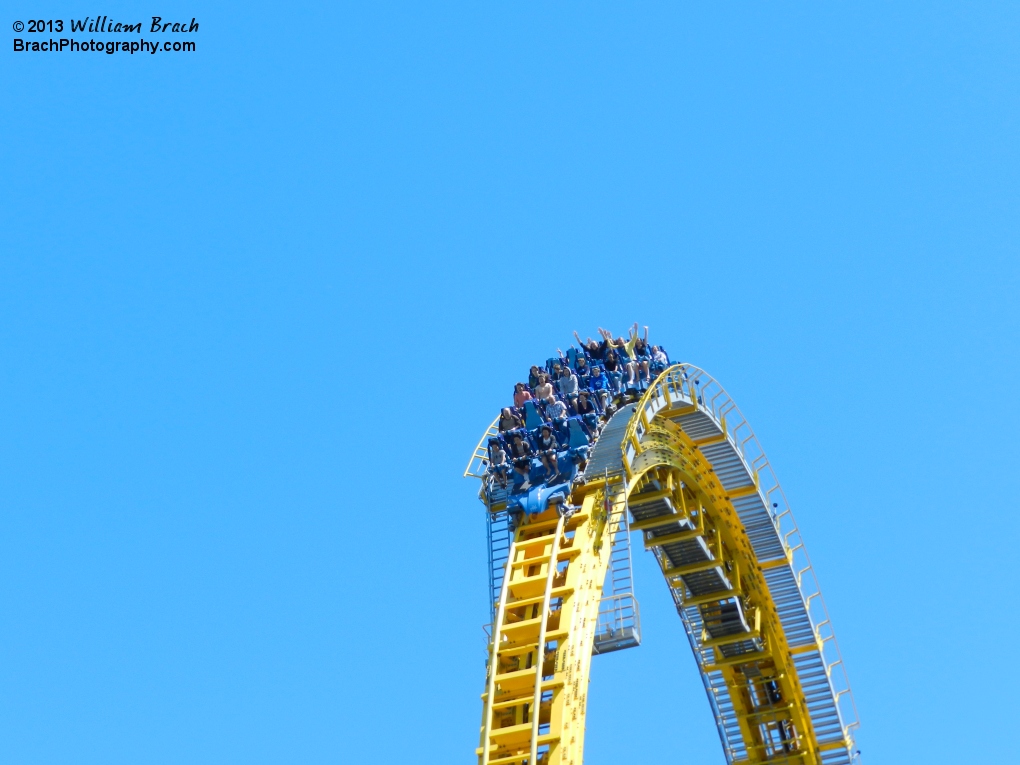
(543, 438)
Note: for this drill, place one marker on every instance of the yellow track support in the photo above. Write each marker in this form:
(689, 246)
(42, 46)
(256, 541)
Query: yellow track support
(537, 682)
(540, 655)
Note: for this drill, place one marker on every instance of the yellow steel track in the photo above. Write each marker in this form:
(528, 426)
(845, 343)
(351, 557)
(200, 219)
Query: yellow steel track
(770, 701)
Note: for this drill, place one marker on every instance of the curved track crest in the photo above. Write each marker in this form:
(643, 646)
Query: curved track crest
(683, 468)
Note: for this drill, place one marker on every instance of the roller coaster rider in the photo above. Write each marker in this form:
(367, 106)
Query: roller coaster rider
(508, 421)
(498, 461)
(521, 394)
(547, 446)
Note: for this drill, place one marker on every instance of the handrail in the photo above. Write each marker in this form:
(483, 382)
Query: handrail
(490, 685)
(480, 456)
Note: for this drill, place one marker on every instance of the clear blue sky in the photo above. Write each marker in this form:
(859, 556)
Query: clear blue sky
(258, 302)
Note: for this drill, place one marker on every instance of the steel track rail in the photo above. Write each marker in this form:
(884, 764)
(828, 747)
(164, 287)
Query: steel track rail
(704, 497)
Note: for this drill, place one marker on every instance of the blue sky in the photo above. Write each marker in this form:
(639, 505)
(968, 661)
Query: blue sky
(258, 302)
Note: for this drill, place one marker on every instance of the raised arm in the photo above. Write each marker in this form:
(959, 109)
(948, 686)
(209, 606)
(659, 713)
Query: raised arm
(632, 341)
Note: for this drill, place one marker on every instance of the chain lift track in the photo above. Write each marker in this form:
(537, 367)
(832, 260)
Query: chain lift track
(684, 469)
